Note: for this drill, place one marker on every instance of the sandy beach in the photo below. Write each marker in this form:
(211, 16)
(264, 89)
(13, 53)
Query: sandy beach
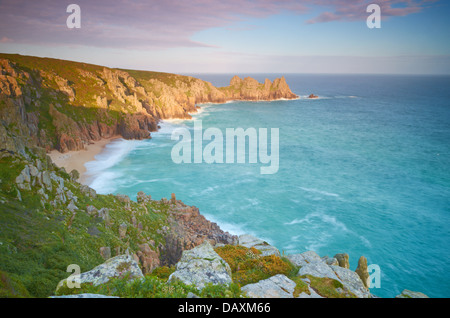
(76, 159)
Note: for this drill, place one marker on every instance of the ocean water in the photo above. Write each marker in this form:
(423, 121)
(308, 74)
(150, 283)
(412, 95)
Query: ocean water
(363, 170)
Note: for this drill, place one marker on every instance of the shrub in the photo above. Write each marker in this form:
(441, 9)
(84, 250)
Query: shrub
(248, 266)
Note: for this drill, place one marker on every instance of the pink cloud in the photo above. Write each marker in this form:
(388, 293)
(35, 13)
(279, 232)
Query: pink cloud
(128, 23)
(355, 10)
(154, 24)
(5, 40)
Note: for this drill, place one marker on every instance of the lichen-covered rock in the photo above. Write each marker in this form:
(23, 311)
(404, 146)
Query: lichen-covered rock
(265, 248)
(200, 266)
(278, 286)
(351, 281)
(304, 258)
(411, 294)
(114, 267)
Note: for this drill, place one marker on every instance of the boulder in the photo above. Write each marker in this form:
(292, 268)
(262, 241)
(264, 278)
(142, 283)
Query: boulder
(86, 190)
(351, 281)
(265, 248)
(123, 230)
(114, 267)
(312, 294)
(200, 266)
(23, 179)
(342, 260)
(105, 252)
(72, 207)
(74, 175)
(46, 180)
(330, 260)
(125, 200)
(104, 214)
(318, 269)
(278, 286)
(91, 210)
(411, 294)
(304, 258)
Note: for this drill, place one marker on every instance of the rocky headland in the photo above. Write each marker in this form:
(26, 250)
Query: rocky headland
(124, 247)
(67, 105)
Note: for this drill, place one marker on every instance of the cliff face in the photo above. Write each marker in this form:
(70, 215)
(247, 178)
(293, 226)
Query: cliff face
(66, 105)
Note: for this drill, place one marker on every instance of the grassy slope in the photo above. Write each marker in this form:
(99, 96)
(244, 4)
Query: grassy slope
(38, 242)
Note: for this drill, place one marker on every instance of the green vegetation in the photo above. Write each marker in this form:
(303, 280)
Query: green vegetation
(38, 240)
(329, 288)
(248, 266)
(152, 286)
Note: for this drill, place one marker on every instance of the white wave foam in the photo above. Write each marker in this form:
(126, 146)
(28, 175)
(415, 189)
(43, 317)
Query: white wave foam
(105, 183)
(311, 218)
(168, 126)
(330, 194)
(113, 153)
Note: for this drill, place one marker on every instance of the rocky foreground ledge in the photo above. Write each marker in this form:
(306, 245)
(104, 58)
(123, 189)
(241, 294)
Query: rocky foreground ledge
(315, 276)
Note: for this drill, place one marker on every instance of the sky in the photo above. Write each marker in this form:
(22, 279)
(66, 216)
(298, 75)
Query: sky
(235, 36)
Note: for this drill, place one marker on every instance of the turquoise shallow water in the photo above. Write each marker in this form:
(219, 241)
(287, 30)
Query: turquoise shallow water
(365, 169)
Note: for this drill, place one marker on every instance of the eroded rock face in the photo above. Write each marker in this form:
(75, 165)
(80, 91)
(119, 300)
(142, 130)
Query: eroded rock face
(188, 229)
(148, 258)
(200, 266)
(114, 267)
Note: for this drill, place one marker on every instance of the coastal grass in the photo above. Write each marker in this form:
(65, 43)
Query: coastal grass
(328, 288)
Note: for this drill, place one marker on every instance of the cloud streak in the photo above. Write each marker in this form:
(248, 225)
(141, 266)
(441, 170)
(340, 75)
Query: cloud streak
(355, 10)
(139, 24)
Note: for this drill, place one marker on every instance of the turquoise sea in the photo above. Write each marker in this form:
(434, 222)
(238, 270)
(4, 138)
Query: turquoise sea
(364, 169)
